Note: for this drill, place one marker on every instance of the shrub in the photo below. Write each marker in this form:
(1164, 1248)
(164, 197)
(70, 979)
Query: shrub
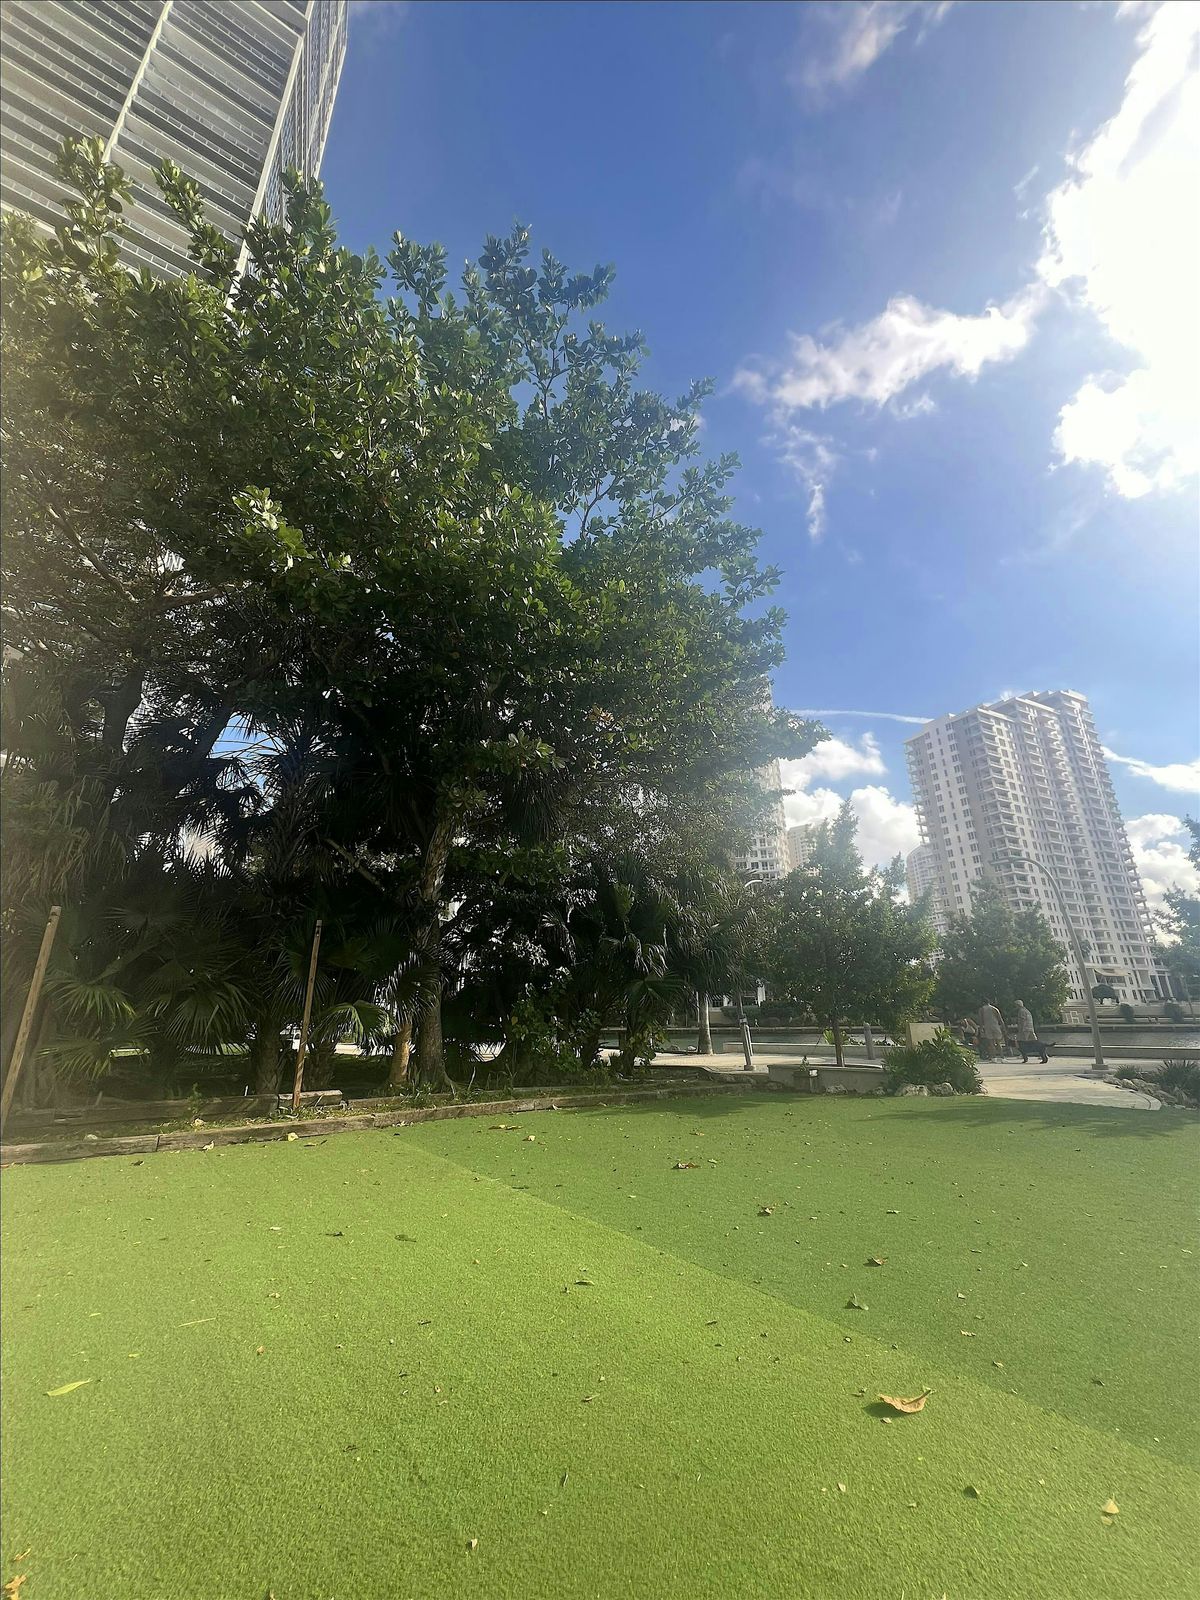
(1181, 1075)
(1173, 1011)
(1129, 1073)
(937, 1060)
(1127, 1014)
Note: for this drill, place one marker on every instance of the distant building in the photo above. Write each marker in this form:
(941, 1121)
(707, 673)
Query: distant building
(921, 873)
(800, 842)
(1026, 777)
(232, 91)
(765, 858)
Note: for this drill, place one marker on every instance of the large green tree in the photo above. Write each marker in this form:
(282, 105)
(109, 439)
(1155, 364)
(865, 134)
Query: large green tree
(843, 944)
(999, 954)
(1179, 921)
(441, 543)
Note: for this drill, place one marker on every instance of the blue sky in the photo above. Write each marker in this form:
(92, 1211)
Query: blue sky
(940, 260)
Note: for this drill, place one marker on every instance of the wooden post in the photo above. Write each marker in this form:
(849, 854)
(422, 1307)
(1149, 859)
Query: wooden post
(21, 1044)
(308, 1000)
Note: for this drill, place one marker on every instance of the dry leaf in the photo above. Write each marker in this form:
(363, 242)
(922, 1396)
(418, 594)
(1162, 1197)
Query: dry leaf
(972, 1492)
(67, 1387)
(13, 1587)
(292, 1137)
(855, 1304)
(917, 1403)
(875, 1261)
(966, 1334)
(587, 1399)
(530, 1138)
(503, 1127)
(23, 1554)
(261, 1351)
(683, 1166)
(891, 1213)
(472, 1544)
(1111, 1508)
(197, 1322)
(997, 1363)
(766, 1211)
(211, 1145)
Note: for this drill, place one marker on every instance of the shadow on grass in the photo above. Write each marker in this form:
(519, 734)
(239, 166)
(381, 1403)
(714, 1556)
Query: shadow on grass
(981, 1111)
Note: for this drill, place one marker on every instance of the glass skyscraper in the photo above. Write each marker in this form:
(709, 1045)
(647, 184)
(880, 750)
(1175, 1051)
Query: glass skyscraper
(232, 91)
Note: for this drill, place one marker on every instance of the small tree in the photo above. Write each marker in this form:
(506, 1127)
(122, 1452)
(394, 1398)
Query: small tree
(1000, 954)
(1179, 949)
(841, 942)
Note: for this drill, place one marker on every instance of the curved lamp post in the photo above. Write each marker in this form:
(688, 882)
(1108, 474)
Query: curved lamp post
(1076, 947)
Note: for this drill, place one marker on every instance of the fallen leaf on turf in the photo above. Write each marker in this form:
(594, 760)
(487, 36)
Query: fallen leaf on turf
(292, 1137)
(766, 1211)
(587, 1399)
(908, 1407)
(683, 1166)
(997, 1363)
(562, 1482)
(972, 1492)
(338, 1235)
(503, 1127)
(23, 1554)
(875, 1261)
(472, 1544)
(855, 1304)
(209, 1146)
(842, 1488)
(1099, 1382)
(261, 1351)
(891, 1213)
(275, 1228)
(966, 1334)
(584, 1283)
(1111, 1508)
(859, 1393)
(135, 1355)
(67, 1387)
(13, 1587)
(197, 1322)
(406, 1238)
(530, 1138)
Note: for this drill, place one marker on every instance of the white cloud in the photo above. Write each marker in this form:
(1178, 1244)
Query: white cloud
(850, 37)
(885, 716)
(887, 827)
(1122, 239)
(906, 343)
(1183, 776)
(1160, 849)
(834, 759)
(376, 18)
(813, 460)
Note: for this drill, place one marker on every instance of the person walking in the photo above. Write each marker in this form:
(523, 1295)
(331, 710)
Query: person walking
(991, 1031)
(1027, 1039)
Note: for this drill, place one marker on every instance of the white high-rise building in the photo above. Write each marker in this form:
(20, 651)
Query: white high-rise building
(765, 858)
(800, 842)
(232, 91)
(920, 870)
(1027, 776)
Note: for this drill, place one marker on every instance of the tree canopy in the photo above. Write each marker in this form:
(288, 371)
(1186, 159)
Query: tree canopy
(390, 603)
(842, 943)
(1002, 955)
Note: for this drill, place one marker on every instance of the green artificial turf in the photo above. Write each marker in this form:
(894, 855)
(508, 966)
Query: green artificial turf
(322, 1368)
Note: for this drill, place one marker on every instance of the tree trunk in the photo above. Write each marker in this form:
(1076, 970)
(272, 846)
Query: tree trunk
(429, 1059)
(266, 1056)
(704, 1031)
(320, 1062)
(401, 1051)
(836, 1028)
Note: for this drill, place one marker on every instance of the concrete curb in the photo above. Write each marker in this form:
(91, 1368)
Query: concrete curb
(258, 1132)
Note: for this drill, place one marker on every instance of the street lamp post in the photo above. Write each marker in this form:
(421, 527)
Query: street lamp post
(1076, 947)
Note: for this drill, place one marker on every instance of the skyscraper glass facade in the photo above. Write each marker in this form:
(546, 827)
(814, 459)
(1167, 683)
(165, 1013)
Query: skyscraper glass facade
(232, 91)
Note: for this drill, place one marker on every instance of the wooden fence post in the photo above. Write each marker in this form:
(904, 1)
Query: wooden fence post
(21, 1043)
(308, 1000)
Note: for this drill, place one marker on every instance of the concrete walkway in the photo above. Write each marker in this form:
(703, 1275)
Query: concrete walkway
(1070, 1082)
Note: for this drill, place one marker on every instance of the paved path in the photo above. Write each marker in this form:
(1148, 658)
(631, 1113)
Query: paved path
(1067, 1081)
